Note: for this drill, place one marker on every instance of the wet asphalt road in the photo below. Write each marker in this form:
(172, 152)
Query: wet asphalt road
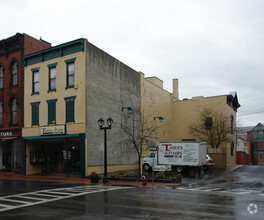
(234, 195)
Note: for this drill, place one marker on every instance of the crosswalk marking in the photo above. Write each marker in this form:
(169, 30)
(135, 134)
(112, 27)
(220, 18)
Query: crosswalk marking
(221, 190)
(38, 197)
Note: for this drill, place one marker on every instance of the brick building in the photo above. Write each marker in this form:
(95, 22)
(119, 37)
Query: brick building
(12, 51)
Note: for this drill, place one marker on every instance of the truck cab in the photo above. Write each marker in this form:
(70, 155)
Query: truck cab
(149, 161)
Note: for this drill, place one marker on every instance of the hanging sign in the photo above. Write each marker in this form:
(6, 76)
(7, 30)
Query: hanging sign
(52, 130)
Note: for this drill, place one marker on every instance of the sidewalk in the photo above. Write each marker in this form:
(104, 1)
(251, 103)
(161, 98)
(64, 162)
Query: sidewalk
(51, 178)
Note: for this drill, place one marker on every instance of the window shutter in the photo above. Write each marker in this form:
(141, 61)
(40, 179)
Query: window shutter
(35, 114)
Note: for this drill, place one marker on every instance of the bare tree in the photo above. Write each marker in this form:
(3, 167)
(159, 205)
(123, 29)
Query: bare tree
(214, 127)
(140, 132)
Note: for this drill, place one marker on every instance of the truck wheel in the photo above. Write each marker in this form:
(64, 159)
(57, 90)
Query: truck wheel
(179, 169)
(146, 167)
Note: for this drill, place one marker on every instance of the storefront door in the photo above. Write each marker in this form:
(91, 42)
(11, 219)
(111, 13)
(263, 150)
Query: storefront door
(61, 157)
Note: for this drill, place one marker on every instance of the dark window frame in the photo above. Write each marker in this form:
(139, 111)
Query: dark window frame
(52, 111)
(70, 109)
(70, 74)
(1, 76)
(52, 78)
(35, 113)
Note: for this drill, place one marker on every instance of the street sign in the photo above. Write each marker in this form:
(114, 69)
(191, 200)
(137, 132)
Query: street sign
(158, 168)
(101, 147)
(153, 149)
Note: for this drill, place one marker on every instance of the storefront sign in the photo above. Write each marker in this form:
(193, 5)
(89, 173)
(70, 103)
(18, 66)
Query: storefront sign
(6, 134)
(52, 130)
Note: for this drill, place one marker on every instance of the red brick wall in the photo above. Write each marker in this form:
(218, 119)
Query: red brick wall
(8, 92)
(32, 45)
(14, 48)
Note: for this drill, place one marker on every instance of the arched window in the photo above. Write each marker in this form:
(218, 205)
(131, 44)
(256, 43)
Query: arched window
(1, 76)
(1, 113)
(14, 111)
(232, 148)
(14, 74)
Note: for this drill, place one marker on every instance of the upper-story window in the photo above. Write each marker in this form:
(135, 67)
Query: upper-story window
(14, 74)
(1, 113)
(232, 123)
(14, 111)
(35, 80)
(1, 77)
(52, 77)
(70, 78)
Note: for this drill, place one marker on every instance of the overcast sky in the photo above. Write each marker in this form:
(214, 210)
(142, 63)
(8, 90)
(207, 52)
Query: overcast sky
(212, 46)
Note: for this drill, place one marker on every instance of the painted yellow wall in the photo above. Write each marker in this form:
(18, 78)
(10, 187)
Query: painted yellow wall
(32, 168)
(179, 113)
(186, 111)
(60, 94)
(156, 102)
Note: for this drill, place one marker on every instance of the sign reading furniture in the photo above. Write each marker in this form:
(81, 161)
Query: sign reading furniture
(52, 130)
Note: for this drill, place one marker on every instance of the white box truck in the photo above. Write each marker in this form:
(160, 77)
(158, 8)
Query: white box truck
(178, 155)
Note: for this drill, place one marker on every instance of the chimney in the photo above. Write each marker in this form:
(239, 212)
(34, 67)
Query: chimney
(175, 88)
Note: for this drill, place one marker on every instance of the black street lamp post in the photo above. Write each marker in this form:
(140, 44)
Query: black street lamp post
(101, 124)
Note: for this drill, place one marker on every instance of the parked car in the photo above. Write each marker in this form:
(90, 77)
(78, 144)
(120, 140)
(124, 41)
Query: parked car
(209, 161)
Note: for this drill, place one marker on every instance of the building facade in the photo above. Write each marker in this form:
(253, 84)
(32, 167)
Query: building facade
(68, 88)
(12, 51)
(178, 114)
(256, 139)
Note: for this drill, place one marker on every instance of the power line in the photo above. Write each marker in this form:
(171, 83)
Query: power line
(249, 100)
(252, 113)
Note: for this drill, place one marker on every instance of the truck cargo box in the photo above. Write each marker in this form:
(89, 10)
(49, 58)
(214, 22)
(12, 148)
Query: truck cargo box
(182, 153)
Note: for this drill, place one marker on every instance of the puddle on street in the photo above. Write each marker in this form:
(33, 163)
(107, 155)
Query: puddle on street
(229, 179)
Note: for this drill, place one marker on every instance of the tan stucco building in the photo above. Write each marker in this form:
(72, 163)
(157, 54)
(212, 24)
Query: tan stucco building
(68, 88)
(178, 114)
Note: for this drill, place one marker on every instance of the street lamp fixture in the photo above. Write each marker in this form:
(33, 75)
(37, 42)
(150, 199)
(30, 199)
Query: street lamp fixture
(101, 124)
(129, 109)
(160, 118)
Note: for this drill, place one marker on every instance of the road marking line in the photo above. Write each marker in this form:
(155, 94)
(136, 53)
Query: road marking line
(47, 196)
(6, 206)
(25, 197)
(58, 193)
(220, 190)
(13, 200)
(94, 189)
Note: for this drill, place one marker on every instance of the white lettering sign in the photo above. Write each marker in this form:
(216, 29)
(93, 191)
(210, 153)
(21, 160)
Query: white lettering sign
(6, 134)
(52, 130)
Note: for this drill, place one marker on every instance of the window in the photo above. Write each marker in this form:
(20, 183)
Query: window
(70, 73)
(232, 148)
(52, 111)
(1, 113)
(1, 77)
(35, 113)
(52, 77)
(35, 81)
(14, 111)
(14, 74)
(232, 123)
(70, 108)
(208, 123)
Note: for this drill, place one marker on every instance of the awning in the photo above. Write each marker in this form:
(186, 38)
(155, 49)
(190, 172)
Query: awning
(8, 138)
